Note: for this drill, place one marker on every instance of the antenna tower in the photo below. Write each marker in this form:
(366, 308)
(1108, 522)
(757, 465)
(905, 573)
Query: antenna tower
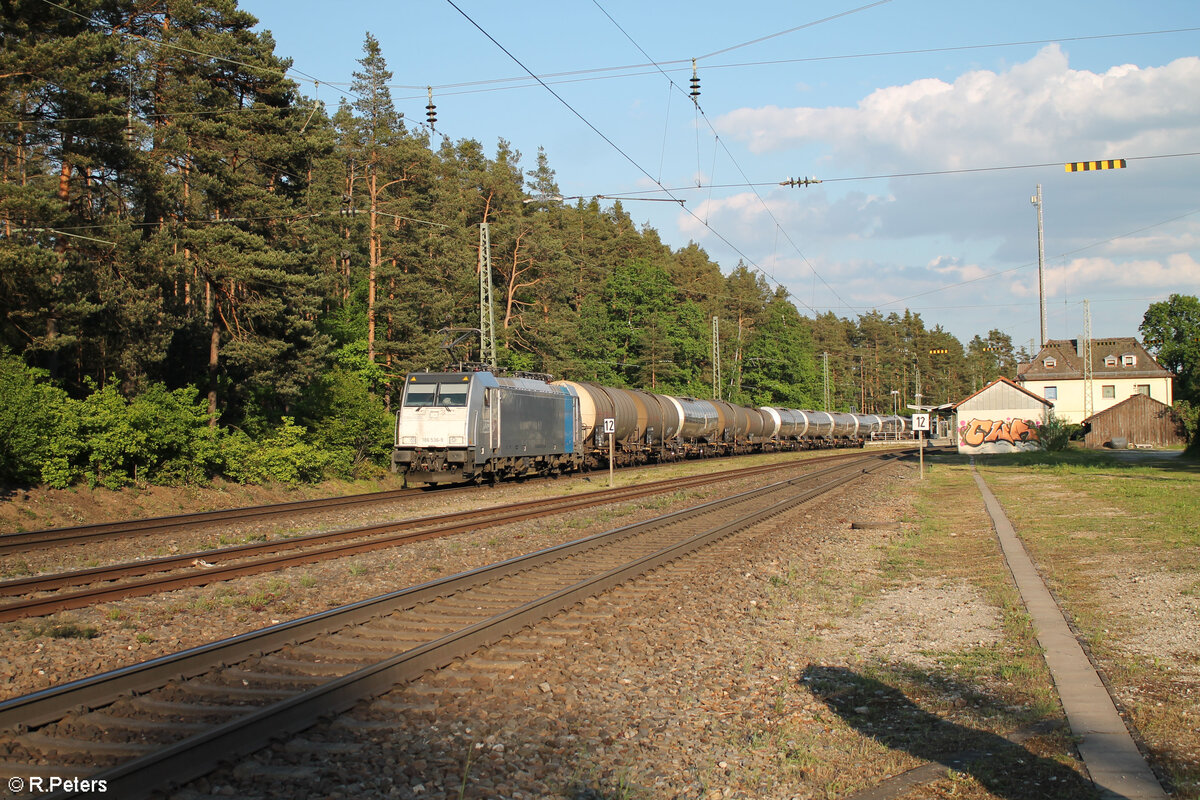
(487, 318)
(1087, 360)
(825, 373)
(1037, 201)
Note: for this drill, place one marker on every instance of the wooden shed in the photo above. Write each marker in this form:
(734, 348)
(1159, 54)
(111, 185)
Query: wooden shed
(1139, 420)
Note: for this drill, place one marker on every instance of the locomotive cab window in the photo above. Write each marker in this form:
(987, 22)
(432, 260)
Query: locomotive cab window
(446, 395)
(420, 394)
(452, 395)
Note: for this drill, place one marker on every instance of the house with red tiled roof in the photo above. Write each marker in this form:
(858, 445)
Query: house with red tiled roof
(1121, 368)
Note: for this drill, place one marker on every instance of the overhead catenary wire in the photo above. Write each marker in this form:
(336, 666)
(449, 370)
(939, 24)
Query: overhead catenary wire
(694, 96)
(683, 64)
(607, 140)
(891, 175)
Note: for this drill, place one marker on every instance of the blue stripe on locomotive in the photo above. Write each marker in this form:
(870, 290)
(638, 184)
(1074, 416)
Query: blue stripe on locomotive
(569, 432)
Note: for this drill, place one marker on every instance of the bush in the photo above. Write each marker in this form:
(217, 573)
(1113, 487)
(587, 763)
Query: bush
(283, 457)
(356, 430)
(157, 437)
(1055, 434)
(1189, 415)
(37, 425)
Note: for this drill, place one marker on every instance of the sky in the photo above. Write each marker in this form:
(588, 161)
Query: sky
(930, 124)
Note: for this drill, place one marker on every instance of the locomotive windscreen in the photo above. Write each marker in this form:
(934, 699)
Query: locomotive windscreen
(447, 395)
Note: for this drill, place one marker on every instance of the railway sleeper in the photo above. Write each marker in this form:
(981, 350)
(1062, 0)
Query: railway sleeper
(105, 721)
(213, 689)
(61, 745)
(283, 678)
(346, 655)
(176, 707)
(325, 668)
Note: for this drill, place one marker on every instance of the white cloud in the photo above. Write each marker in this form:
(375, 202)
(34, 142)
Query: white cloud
(1035, 109)
(1177, 271)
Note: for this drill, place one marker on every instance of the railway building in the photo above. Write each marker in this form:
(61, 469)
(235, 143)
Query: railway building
(1120, 368)
(1002, 417)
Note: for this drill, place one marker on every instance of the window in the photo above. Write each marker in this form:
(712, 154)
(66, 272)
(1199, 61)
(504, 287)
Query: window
(1129, 360)
(1051, 392)
(420, 394)
(447, 395)
(1142, 388)
(1049, 362)
(1108, 392)
(1110, 361)
(453, 395)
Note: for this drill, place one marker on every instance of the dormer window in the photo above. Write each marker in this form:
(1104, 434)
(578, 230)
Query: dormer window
(1049, 362)
(1129, 359)
(1110, 361)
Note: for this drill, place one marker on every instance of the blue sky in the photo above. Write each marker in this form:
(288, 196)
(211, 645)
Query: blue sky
(994, 98)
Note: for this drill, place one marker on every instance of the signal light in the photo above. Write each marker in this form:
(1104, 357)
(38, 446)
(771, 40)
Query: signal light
(935, 352)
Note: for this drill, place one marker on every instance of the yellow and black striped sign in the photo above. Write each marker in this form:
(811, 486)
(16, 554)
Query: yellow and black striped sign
(1087, 166)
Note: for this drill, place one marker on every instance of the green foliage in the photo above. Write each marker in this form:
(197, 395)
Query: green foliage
(1171, 330)
(282, 457)
(355, 431)
(1189, 415)
(158, 436)
(35, 426)
(1055, 434)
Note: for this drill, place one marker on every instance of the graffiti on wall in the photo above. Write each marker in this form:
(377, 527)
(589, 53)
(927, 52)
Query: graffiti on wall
(998, 435)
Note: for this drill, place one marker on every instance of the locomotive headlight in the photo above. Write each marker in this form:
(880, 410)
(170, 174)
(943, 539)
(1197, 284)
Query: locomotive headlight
(408, 440)
(456, 440)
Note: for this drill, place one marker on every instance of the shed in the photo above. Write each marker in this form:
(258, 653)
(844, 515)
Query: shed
(1001, 417)
(1138, 420)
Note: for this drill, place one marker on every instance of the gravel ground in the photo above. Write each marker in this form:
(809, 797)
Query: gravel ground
(690, 683)
(694, 682)
(42, 652)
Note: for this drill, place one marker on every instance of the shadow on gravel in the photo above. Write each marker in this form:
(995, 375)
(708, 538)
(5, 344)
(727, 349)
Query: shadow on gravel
(1004, 768)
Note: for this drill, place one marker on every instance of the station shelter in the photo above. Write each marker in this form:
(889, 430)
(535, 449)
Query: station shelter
(1002, 417)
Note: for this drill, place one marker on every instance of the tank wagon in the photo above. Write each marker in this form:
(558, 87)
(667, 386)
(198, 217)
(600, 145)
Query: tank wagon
(455, 427)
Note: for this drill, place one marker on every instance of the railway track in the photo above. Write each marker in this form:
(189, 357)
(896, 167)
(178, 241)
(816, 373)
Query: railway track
(148, 726)
(12, 543)
(15, 543)
(112, 582)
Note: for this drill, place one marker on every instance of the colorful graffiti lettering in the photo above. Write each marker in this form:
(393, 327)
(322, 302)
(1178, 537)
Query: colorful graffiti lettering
(980, 431)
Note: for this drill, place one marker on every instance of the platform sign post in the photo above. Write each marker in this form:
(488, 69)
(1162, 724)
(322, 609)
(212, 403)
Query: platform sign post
(610, 430)
(920, 424)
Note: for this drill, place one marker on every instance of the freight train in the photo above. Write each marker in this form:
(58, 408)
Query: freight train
(457, 427)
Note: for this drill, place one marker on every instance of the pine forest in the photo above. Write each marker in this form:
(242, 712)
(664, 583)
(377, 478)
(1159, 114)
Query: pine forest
(205, 273)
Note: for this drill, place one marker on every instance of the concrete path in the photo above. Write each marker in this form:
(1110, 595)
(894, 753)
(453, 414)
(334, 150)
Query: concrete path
(1108, 751)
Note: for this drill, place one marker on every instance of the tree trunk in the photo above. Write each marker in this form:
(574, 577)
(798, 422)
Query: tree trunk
(214, 348)
(373, 269)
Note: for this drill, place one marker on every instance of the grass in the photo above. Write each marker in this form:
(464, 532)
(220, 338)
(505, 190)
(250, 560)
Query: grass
(1120, 544)
(43, 628)
(886, 712)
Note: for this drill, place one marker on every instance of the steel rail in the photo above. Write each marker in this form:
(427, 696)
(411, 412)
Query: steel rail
(198, 754)
(45, 706)
(11, 543)
(338, 544)
(79, 534)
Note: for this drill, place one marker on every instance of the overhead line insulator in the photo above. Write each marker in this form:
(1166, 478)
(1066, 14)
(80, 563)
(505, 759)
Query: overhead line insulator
(431, 110)
(695, 93)
(800, 182)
